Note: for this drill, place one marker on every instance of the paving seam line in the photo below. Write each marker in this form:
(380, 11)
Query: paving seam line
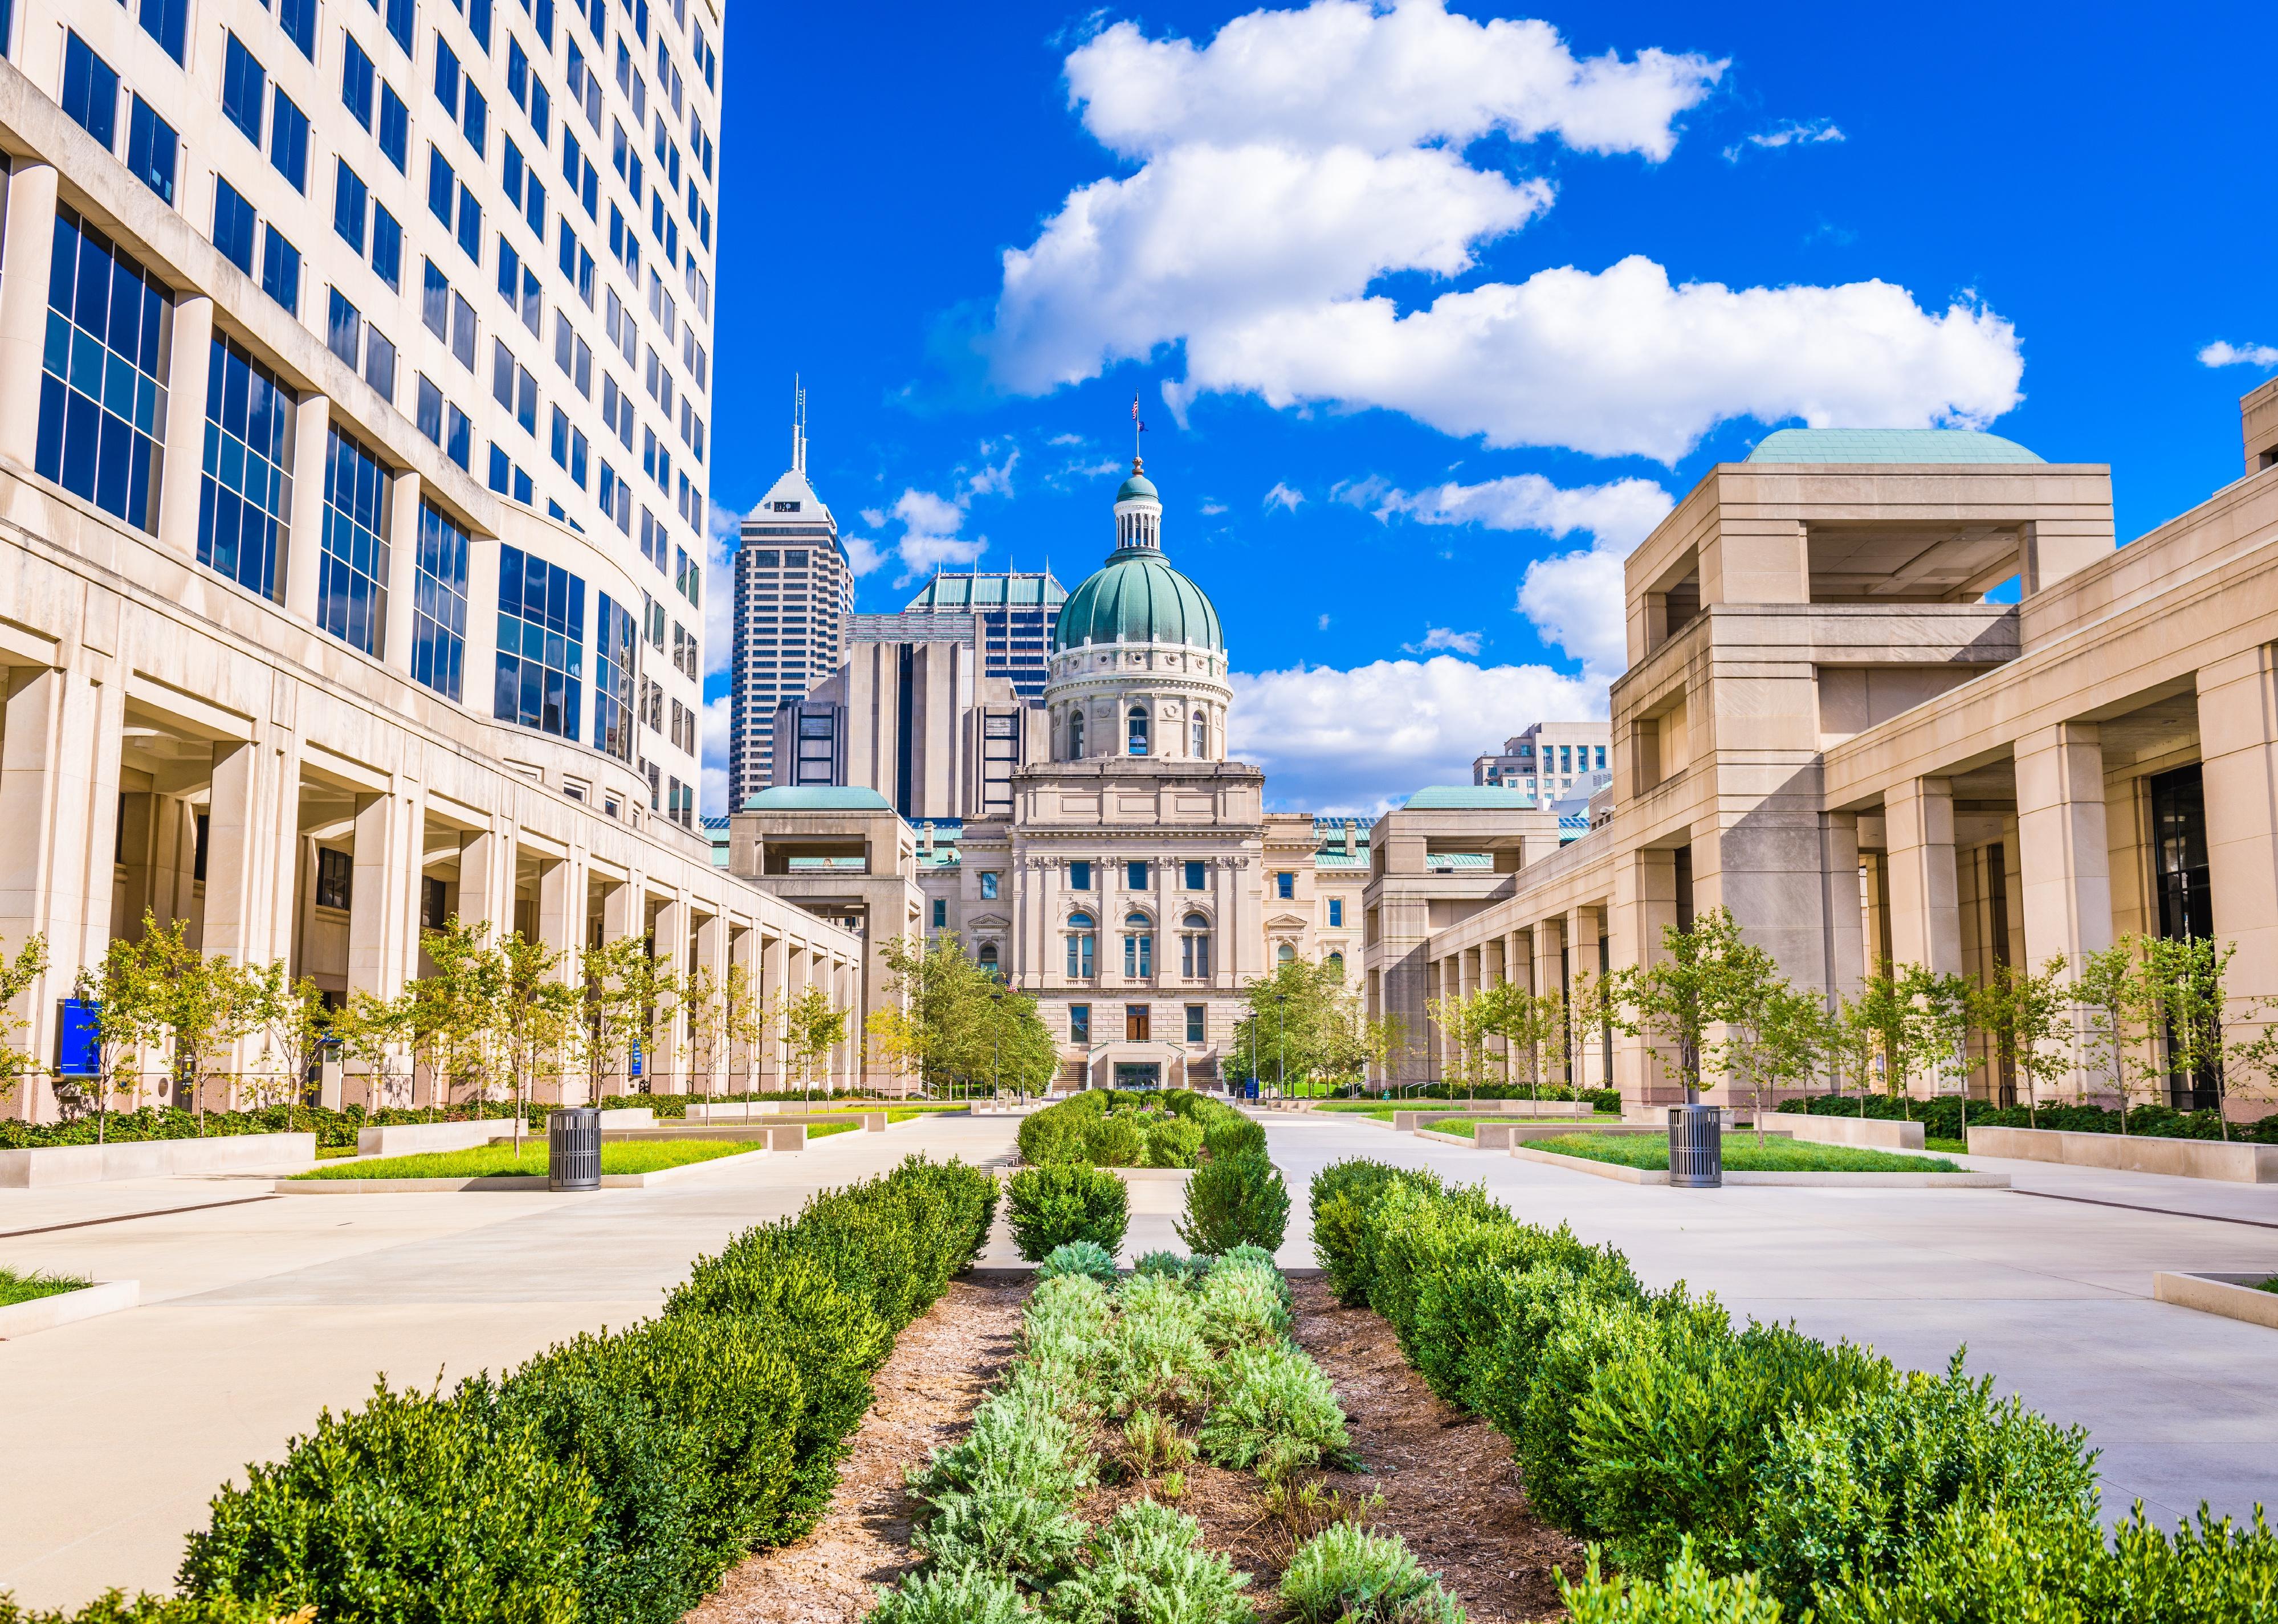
(2163, 1212)
(128, 1217)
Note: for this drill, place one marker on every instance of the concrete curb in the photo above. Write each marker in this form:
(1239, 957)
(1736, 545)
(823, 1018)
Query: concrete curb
(1445, 1138)
(21, 1319)
(2233, 1296)
(2232, 1162)
(527, 1183)
(50, 1165)
(1807, 1180)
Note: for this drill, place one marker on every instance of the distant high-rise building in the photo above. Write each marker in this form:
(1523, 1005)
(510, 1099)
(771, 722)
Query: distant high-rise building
(1017, 610)
(793, 592)
(1550, 760)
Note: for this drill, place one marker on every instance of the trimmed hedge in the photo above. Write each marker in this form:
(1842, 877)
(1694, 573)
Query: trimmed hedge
(614, 1476)
(1733, 1472)
(1107, 1127)
(1235, 1200)
(1942, 1117)
(1055, 1205)
(1600, 1099)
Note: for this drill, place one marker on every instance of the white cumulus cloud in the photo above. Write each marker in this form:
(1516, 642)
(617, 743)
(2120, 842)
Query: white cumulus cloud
(2221, 354)
(1794, 133)
(933, 525)
(1443, 637)
(1360, 740)
(1300, 156)
(1283, 497)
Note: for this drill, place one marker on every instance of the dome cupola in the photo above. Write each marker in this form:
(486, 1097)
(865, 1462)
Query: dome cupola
(1135, 596)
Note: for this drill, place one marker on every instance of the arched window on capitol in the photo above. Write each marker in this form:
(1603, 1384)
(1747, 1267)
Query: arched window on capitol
(1075, 735)
(987, 958)
(1138, 946)
(1082, 940)
(1195, 948)
(1202, 735)
(1285, 955)
(1138, 720)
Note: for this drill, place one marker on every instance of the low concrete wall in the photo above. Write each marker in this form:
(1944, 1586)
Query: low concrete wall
(2132, 1153)
(1865, 1131)
(156, 1158)
(408, 1138)
(2232, 1296)
(791, 1138)
(1510, 1135)
(1565, 1111)
(21, 1319)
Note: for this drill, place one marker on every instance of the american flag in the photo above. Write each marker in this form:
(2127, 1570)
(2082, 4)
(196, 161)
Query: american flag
(1135, 414)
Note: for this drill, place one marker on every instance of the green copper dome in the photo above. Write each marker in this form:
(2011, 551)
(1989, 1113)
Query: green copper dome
(1136, 597)
(1137, 485)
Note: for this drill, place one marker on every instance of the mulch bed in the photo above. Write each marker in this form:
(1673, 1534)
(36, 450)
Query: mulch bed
(1448, 1484)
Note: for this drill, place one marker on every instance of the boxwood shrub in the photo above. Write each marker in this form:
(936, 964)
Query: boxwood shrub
(614, 1476)
(1750, 1474)
(1054, 1205)
(1236, 1201)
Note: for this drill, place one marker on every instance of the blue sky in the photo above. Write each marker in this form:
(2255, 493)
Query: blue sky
(1431, 311)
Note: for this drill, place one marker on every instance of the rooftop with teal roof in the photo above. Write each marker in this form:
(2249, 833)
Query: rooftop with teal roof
(987, 590)
(1888, 445)
(817, 798)
(1469, 797)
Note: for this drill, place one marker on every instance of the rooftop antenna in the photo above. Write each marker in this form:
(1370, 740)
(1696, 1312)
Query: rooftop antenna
(797, 427)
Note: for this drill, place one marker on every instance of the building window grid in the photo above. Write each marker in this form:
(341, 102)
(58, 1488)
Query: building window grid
(438, 604)
(245, 494)
(541, 634)
(102, 393)
(615, 639)
(1082, 943)
(352, 575)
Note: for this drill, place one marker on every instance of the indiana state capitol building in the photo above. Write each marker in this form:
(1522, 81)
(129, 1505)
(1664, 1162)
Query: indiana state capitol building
(1136, 882)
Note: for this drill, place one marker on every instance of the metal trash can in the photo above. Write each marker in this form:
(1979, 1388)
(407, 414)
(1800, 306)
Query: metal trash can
(573, 1149)
(1696, 1148)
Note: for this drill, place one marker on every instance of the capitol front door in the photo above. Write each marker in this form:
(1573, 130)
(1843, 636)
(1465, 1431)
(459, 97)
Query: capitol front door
(1135, 1023)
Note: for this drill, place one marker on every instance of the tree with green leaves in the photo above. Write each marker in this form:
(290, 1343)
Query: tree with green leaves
(1290, 1016)
(1773, 1032)
(2022, 1013)
(17, 976)
(2183, 996)
(295, 1023)
(1532, 1027)
(705, 1012)
(373, 1033)
(1462, 1038)
(2107, 995)
(742, 1023)
(453, 1012)
(1938, 1032)
(1683, 994)
(812, 1027)
(937, 1018)
(536, 1021)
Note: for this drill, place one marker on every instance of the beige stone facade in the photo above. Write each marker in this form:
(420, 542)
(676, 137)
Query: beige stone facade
(1828, 727)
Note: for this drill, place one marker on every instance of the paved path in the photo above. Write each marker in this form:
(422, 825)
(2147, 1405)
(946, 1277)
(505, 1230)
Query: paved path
(2052, 1297)
(256, 1316)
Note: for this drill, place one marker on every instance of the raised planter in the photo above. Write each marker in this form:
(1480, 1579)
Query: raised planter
(153, 1158)
(21, 1319)
(2131, 1153)
(1826, 1181)
(2233, 1296)
(1566, 1111)
(1508, 1135)
(531, 1183)
(1153, 1175)
(1869, 1132)
(406, 1137)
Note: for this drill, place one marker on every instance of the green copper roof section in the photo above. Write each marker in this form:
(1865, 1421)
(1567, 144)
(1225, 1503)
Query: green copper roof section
(1136, 597)
(1137, 485)
(987, 590)
(817, 798)
(1888, 445)
(1469, 797)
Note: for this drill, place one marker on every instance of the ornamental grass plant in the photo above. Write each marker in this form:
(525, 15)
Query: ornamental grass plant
(1740, 1475)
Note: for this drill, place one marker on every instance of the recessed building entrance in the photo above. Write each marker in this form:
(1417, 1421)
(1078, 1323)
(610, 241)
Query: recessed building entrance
(1138, 1074)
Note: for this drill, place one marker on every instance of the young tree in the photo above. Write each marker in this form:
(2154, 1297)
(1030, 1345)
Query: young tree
(2107, 995)
(373, 1032)
(453, 1013)
(1462, 1039)
(813, 1025)
(743, 1022)
(535, 1017)
(2022, 1014)
(2183, 992)
(1884, 1018)
(17, 976)
(1683, 993)
(1853, 1043)
(703, 1002)
(1772, 1033)
(1937, 1028)
(607, 977)
(295, 1023)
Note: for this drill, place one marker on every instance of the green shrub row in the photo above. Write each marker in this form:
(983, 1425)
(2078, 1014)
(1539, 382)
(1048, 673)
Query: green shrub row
(1943, 1117)
(614, 1477)
(1126, 1128)
(334, 1130)
(1693, 1451)
(1600, 1099)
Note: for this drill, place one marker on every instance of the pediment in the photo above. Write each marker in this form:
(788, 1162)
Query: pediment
(989, 921)
(1286, 921)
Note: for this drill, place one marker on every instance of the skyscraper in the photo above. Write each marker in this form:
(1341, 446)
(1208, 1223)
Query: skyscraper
(1017, 610)
(793, 593)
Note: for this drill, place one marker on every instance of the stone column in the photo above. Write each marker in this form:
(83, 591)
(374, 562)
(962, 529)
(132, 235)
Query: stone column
(744, 955)
(672, 926)
(711, 956)
(403, 568)
(486, 878)
(1845, 950)
(24, 310)
(251, 845)
(304, 541)
(2238, 753)
(2062, 851)
(58, 795)
(379, 925)
(775, 964)
(186, 367)
(1925, 901)
(1581, 928)
(1645, 902)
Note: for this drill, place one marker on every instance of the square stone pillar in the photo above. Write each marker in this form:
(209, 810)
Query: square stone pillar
(1644, 904)
(58, 801)
(1840, 906)
(304, 541)
(671, 1059)
(24, 268)
(774, 963)
(562, 905)
(711, 955)
(1588, 1046)
(188, 364)
(252, 848)
(486, 879)
(382, 931)
(1925, 901)
(402, 569)
(2063, 853)
(2238, 755)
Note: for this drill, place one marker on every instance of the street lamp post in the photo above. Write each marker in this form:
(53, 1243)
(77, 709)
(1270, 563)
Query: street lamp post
(1281, 1047)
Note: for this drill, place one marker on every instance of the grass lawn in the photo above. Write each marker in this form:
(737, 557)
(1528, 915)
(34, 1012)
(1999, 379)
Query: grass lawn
(499, 1161)
(2270, 1286)
(1743, 1155)
(24, 1287)
(1952, 1146)
(824, 1129)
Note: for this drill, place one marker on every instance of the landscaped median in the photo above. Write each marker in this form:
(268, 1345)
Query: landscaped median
(40, 1301)
(1643, 1158)
(1744, 1476)
(615, 1476)
(625, 1165)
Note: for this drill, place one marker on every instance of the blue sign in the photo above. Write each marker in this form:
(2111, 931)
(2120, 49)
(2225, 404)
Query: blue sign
(79, 1039)
(633, 1063)
(1250, 1089)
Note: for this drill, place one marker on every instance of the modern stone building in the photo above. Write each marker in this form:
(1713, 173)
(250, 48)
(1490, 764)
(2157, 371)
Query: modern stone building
(1013, 612)
(1838, 724)
(1550, 760)
(355, 375)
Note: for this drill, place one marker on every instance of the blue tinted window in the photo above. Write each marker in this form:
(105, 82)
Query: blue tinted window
(439, 604)
(167, 21)
(343, 329)
(357, 81)
(243, 83)
(478, 22)
(350, 197)
(90, 91)
(540, 644)
(232, 231)
(101, 396)
(288, 140)
(298, 18)
(402, 20)
(470, 225)
(245, 495)
(280, 269)
(153, 150)
(394, 128)
(442, 186)
(352, 576)
(614, 636)
(447, 76)
(476, 120)
(386, 247)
